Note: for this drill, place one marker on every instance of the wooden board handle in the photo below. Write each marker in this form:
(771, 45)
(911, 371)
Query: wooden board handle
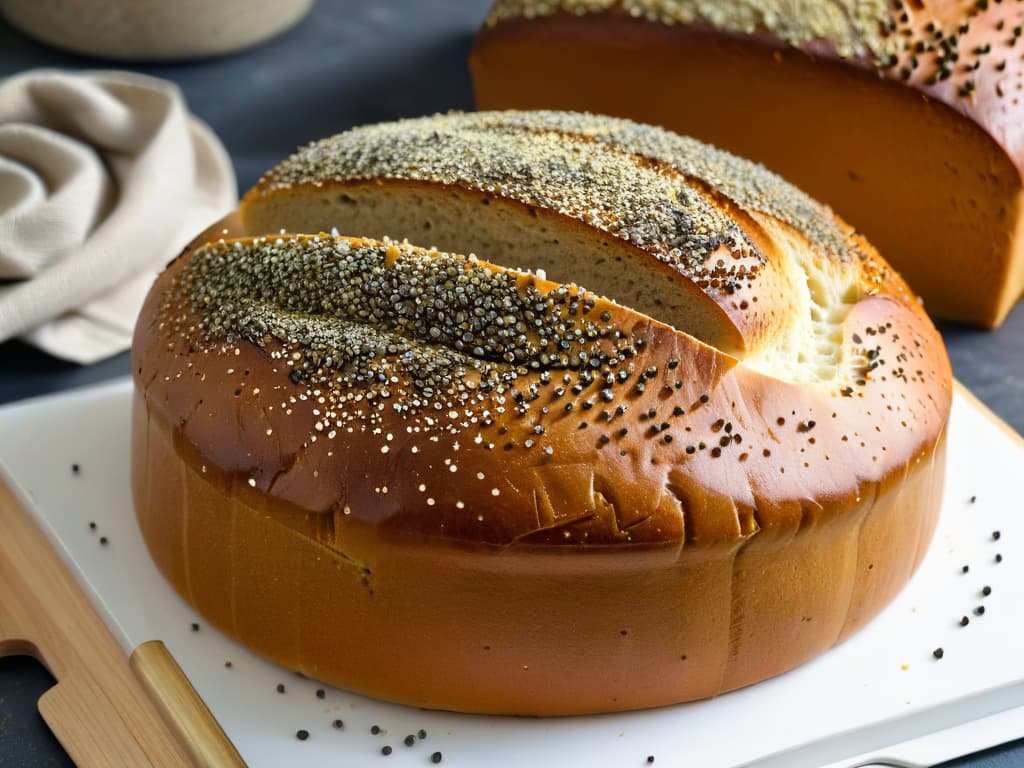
(98, 709)
(196, 728)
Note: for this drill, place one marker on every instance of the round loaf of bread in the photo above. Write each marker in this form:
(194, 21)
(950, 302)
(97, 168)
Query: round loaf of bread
(466, 482)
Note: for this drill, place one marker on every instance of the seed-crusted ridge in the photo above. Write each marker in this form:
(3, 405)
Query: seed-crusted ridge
(749, 185)
(555, 166)
(855, 27)
(627, 179)
(369, 315)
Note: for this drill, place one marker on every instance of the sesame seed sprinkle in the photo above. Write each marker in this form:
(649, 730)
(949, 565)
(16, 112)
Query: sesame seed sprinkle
(361, 315)
(576, 175)
(594, 168)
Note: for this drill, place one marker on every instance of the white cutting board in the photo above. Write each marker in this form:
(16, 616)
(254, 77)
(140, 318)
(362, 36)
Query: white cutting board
(883, 687)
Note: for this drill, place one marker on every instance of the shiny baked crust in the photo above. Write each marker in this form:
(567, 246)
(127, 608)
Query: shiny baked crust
(501, 493)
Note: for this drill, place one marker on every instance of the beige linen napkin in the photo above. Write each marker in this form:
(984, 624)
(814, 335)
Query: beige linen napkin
(104, 177)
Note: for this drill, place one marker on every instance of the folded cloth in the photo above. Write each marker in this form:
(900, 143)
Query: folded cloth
(104, 176)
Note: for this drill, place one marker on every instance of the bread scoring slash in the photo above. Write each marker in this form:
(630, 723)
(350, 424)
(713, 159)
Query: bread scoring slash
(701, 443)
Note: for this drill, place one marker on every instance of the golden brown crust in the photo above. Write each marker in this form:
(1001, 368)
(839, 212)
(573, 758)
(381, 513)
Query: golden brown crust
(454, 626)
(358, 484)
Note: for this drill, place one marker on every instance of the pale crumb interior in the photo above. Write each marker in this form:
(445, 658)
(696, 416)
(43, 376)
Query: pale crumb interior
(809, 345)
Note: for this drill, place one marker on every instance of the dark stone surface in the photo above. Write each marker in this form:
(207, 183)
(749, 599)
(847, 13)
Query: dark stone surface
(350, 63)
(991, 364)
(25, 739)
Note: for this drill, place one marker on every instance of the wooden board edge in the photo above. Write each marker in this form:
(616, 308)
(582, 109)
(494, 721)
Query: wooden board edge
(183, 710)
(97, 709)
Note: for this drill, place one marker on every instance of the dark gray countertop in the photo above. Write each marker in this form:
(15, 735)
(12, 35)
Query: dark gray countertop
(355, 62)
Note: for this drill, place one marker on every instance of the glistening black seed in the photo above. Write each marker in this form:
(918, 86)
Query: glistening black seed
(409, 740)
(386, 749)
(986, 590)
(302, 734)
(195, 627)
(422, 734)
(75, 468)
(338, 724)
(964, 621)
(435, 758)
(320, 693)
(374, 729)
(938, 653)
(996, 535)
(979, 611)
(280, 687)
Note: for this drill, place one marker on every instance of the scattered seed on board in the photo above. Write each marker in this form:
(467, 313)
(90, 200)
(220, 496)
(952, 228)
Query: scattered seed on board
(280, 687)
(650, 759)
(104, 540)
(302, 734)
(75, 468)
(195, 627)
(409, 740)
(386, 749)
(965, 569)
(996, 535)
(979, 611)
(964, 621)
(986, 590)
(999, 558)
(374, 729)
(228, 664)
(435, 758)
(938, 653)
(92, 526)
(422, 734)
(338, 724)
(320, 693)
